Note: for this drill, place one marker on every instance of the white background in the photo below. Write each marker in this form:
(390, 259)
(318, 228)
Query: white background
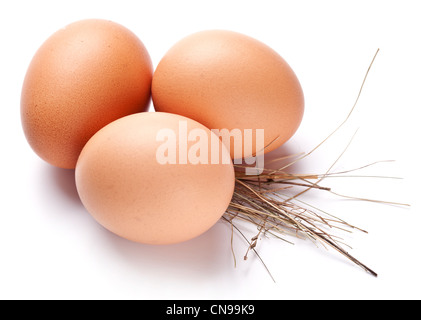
(50, 247)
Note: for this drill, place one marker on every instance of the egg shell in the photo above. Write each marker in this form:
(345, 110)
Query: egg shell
(83, 77)
(227, 80)
(129, 192)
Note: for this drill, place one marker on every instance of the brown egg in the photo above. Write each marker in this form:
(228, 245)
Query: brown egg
(226, 80)
(83, 77)
(151, 178)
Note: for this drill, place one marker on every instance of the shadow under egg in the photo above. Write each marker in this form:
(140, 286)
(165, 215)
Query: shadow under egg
(64, 181)
(286, 158)
(204, 256)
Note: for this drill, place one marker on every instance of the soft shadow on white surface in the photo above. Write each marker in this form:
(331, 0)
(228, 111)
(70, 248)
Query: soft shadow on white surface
(64, 181)
(202, 257)
(285, 156)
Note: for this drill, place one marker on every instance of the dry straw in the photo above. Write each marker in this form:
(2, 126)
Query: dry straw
(261, 201)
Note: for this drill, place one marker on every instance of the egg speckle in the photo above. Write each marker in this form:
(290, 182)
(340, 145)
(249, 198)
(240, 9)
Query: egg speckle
(83, 77)
(134, 194)
(227, 80)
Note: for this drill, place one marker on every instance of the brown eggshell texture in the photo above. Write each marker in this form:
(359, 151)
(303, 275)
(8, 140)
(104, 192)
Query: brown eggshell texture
(125, 188)
(224, 79)
(83, 77)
